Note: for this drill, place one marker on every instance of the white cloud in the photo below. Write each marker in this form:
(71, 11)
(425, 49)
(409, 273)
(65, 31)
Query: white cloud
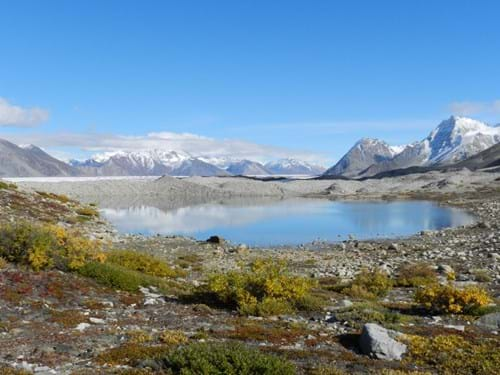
(193, 144)
(16, 116)
(469, 108)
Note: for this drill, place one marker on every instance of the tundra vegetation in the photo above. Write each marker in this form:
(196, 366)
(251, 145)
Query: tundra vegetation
(262, 315)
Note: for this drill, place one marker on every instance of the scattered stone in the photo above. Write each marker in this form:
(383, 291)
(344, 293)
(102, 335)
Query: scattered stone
(345, 303)
(378, 342)
(460, 328)
(82, 327)
(489, 321)
(215, 240)
(393, 246)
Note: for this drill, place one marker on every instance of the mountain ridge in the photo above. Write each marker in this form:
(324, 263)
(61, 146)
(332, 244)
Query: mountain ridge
(452, 141)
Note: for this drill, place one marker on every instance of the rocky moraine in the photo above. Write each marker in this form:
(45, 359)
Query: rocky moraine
(370, 306)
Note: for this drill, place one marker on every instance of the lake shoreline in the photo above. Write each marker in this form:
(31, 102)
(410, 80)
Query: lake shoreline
(307, 338)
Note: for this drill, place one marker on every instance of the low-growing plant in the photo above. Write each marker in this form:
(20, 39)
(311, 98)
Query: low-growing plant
(87, 211)
(7, 186)
(449, 299)
(311, 302)
(278, 333)
(68, 318)
(224, 358)
(59, 197)
(142, 262)
(414, 275)
(368, 312)
(3, 263)
(402, 372)
(369, 284)
(132, 353)
(482, 276)
(265, 288)
(13, 371)
(138, 336)
(118, 277)
(453, 354)
(171, 337)
(326, 370)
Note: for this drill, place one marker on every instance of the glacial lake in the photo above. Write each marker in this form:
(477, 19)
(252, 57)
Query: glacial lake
(288, 222)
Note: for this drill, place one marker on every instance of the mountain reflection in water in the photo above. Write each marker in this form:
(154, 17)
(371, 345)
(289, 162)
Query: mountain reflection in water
(288, 222)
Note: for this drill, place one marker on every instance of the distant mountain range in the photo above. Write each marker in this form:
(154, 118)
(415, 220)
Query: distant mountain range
(453, 141)
(31, 161)
(293, 167)
(147, 163)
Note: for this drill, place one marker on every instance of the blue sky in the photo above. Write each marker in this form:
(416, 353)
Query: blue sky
(271, 78)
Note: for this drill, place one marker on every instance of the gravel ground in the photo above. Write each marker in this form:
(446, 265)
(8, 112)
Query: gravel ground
(205, 189)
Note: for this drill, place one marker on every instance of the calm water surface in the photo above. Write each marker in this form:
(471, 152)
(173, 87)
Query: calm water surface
(289, 222)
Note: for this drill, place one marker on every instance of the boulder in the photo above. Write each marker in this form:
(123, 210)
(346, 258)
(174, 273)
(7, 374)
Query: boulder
(393, 246)
(378, 342)
(489, 321)
(215, 240)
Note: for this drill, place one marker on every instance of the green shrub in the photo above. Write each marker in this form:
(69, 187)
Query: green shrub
(369, 285)
(7, 186)
(482, 276)
(368, 312)
(233, 359)
(61, 198)
(132, 353)
(265, 288)
(311, 302)
(141, 262)
(414, 275)
(87, 211)
(448, 299)
(118, 277)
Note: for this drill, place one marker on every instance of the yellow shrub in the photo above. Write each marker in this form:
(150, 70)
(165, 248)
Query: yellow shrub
(171, 337)
(45, 246)
(453, 354)
(76, 250)
(39, 256)
(448, 299)
(142, 262)
(3, 263)
(265, 288)
(139, 336)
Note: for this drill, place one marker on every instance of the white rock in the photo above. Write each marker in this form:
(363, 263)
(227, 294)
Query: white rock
(82, 327)
(378, 342)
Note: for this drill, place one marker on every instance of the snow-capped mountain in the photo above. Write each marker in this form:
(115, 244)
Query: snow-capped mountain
(293, 167)
(147, 163)
(247, 168)
(222, 162)
(453, 140)
(363, 154)
(457, 139)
